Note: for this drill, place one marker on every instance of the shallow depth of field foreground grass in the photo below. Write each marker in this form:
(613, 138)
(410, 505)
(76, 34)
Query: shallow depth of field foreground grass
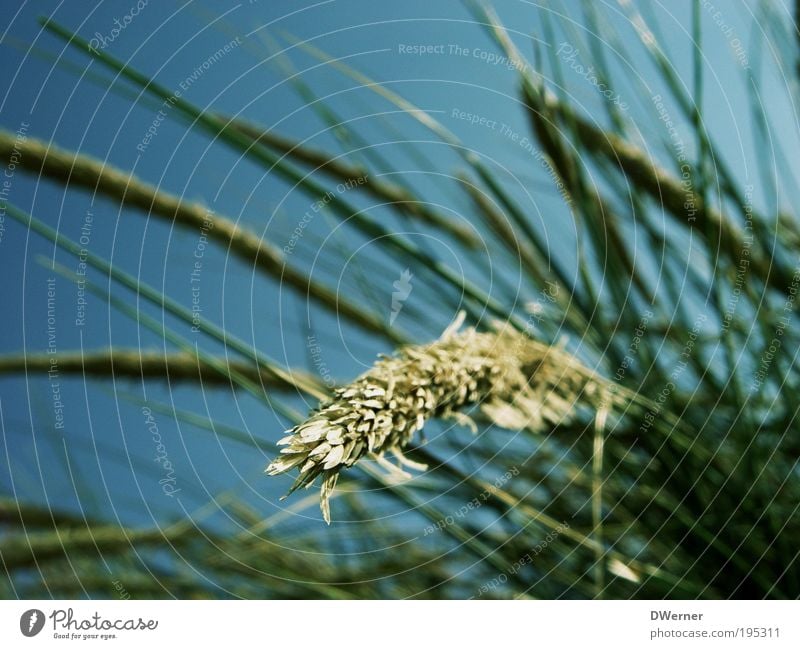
(526, 330)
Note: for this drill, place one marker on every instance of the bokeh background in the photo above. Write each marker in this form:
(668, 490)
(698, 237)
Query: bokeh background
(101, 464)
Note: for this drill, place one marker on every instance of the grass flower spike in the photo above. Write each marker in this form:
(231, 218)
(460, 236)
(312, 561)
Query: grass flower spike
(515, 381)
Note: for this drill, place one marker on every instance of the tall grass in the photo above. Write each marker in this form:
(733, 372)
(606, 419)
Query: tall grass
(626, 429)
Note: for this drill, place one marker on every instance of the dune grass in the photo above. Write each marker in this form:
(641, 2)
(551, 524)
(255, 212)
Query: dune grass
(615, 434)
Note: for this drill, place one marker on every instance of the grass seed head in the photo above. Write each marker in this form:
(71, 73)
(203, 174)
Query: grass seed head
(515, 381)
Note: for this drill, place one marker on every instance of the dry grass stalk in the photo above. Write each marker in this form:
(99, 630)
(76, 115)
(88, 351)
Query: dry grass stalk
(516, 382)
(638, 166)
(77, 170)
(642, 171)
(143, 364)
(497, 220)
(343, 171)
(31, 548)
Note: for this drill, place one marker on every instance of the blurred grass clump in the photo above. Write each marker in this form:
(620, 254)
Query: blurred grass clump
(687, 487)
